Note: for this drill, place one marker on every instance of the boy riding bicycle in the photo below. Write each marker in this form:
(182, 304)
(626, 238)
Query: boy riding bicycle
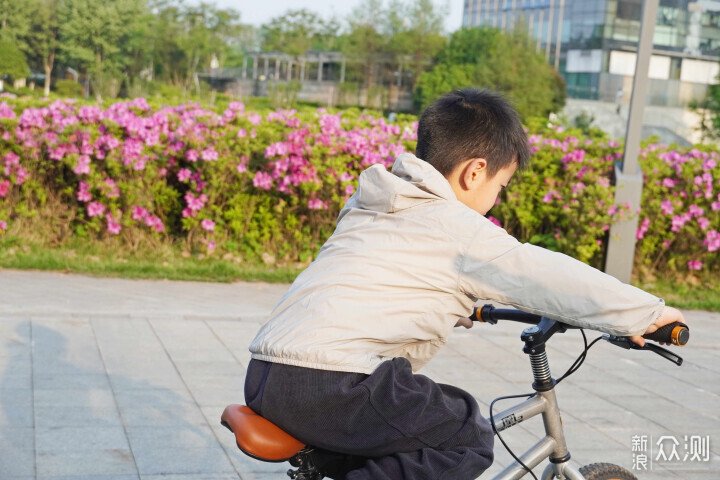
(412, 252)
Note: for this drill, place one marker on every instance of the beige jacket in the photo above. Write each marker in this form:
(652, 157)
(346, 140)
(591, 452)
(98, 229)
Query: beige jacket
(407, 260)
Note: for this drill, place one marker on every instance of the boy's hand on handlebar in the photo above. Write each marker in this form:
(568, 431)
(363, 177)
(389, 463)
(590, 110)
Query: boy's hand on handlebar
(464, 322)
(668, 316)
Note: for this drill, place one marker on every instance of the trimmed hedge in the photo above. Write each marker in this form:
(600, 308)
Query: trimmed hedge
(270, 183)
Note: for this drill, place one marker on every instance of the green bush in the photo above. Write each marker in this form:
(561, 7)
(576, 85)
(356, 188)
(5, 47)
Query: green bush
(69, 88)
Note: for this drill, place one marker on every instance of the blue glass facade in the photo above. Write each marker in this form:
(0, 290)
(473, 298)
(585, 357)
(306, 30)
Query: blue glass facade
(592, 42)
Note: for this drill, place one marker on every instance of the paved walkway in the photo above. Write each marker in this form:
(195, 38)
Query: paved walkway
(125, 380)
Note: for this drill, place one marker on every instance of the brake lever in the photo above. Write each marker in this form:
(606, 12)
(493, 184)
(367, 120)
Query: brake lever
(624, 342)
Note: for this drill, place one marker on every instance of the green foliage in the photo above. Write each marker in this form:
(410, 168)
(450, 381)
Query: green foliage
(709, 111)
(405, 32)
(298, 31)
(68, 88)
(488, 58)
(12, 60)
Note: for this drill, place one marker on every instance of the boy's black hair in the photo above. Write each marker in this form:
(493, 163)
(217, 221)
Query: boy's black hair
(470, 123)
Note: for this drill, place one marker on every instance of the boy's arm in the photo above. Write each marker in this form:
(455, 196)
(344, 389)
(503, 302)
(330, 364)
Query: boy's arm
(498, 267)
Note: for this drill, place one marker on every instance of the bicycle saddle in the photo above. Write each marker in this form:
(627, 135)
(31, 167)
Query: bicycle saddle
(258, 437)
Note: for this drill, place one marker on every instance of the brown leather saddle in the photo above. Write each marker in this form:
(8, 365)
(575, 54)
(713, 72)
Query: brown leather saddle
(258, 437)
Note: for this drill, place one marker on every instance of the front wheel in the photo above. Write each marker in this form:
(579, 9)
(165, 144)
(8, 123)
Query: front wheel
(606, 471)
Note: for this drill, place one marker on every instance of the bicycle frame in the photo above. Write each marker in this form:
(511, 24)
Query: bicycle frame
(552, 446)
(544, 402)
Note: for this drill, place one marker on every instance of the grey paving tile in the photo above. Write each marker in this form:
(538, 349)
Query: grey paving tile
(177, 436)
(16, 407)
(17, 454)
(89, 477)
(158, 407)
(91, 463)
(195, 476)
(163, 460)
(97, 397)
(80, 439)
(78, 381)
(80, 416)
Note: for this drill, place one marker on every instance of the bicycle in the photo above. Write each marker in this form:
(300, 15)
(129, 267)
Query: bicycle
(264, 441)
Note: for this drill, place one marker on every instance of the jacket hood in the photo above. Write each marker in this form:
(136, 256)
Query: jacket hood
(411, 182)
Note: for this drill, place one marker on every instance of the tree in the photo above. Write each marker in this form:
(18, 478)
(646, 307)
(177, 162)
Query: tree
(489, 58)
(298, 31)
(15, 21)
(42, 39)
(12, 61)
(97, 37)
(416, 33)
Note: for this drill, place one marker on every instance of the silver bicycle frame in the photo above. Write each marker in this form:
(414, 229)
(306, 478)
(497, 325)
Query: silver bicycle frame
(552, 445)
(543, 403)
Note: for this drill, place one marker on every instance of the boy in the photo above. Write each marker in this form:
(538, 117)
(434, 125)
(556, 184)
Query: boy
(411, 254)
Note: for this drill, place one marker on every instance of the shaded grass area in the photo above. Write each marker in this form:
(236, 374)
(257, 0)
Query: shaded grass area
(170, 264)
(167, 264)
(694, 295)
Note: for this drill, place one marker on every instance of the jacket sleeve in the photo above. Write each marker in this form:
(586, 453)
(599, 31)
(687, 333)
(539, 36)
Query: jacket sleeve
(497, 267)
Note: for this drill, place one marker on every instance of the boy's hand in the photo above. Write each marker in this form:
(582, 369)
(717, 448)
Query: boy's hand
(464, 322)
(668, 315)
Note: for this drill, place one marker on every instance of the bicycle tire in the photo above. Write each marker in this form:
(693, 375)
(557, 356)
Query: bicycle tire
(606, 471)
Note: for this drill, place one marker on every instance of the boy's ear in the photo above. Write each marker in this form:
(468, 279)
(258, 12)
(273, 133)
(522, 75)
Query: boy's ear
(474, 170)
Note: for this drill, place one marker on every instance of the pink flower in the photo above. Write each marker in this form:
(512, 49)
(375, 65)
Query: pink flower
(191, 155)
(349, 189)
(113, 190)
(550, 196)
(712, 240)
(83, 193)
(263, 181)
(95, 209)
(495, 221)
(209, 154)
(679, 221)
(603, 182)
(210, 246)
(155, 223)
(139, 213)
(715, 206)
(184, 174)
(643, 229)
(695, 211)
(704, 223)
(669, 182)
(82, 166)
(254, 118)
(194, 204)
(4, 188)
(113, 227)
(666, 207)
(3, 225)
(208, 225)
(317, 204)
(242, 133)
(694, 265)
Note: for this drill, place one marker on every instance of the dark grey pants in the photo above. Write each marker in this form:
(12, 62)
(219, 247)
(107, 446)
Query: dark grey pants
(406, 425)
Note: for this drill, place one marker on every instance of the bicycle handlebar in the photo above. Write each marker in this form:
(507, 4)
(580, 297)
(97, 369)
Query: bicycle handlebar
(676, 333)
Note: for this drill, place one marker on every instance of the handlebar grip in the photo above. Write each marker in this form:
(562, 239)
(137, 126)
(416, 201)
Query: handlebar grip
(676, 333)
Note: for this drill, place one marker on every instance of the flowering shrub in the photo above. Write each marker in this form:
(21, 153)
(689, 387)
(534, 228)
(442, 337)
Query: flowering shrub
(253, 182)
(270, 184)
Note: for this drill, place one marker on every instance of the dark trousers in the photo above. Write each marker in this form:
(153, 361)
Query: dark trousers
(405, 425)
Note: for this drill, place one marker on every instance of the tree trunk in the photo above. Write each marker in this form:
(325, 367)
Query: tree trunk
(48, 64)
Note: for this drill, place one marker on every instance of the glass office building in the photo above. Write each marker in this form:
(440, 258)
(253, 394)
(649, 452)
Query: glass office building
(593, 43)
